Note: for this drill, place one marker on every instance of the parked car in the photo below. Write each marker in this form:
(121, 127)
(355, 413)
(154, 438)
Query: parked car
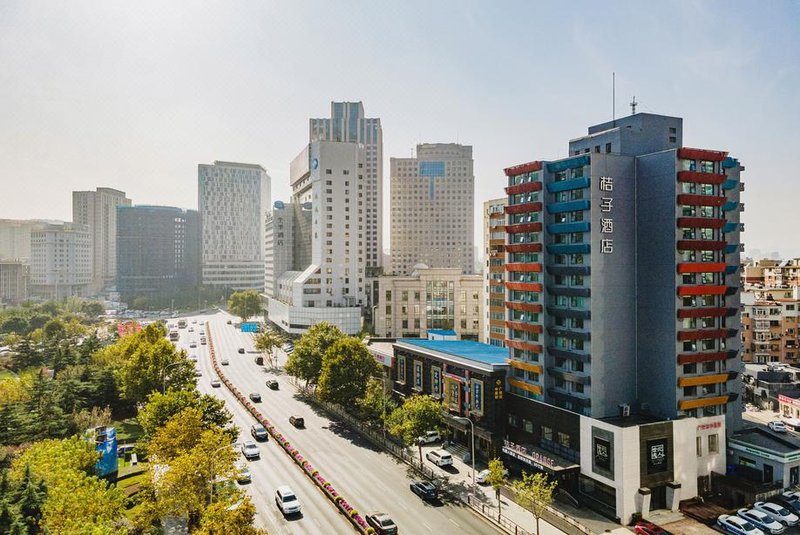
(439, 458)
(215, 383)
(241, 351)
(272, 384)
(255, 397)
(229, 322)
(481, 476)
(423, 489)
(224, 362)
(287, 501)
(430, 437)
(777, 426)
(193, 345)
(250, 450)
(382, 523)
(762, 521)
(258, 432)
(777, 512)
(791, 500)
(297, 421)
(737, 526)
(243, 473)
(643, 527)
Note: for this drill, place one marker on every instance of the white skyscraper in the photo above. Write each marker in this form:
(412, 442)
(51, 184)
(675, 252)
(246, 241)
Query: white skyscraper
(433, 209)
(61, 261)
(233, 199)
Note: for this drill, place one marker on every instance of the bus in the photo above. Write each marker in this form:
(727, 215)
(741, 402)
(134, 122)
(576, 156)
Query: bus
(181, 324)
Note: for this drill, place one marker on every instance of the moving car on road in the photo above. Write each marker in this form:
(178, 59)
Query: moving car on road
(777, 426)
(193, 345)
(258, 432)
(255, 397)
(224, 362)
(382, 523)
(423, 489)
(241, 351)
(439, 458)
(777, 512)
(762, 521)
(250, 450)
(272, 384)
(737, 526)
(215, 383)
(243, 473)
(297, 421)
(287, 501)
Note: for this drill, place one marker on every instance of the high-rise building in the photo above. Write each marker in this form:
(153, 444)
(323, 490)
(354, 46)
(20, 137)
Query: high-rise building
(98, 211)
(348, 124)
(15, 237)
(433, 208)
(493, 311)
(233, 200)
(14, 279)
(158, 249)
(61, 261)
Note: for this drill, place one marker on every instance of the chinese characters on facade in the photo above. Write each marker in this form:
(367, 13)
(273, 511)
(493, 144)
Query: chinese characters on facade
(606, 222)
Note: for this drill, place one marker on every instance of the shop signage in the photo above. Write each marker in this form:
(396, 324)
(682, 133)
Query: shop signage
(788, 458)
(789, 401)
(607, 222)
(602, 453)
(712, 425)
(525, 455)
(657, 456)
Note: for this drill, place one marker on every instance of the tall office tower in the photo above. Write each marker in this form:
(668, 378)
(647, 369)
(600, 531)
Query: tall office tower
(327, 279)
(433, 209)
(98, 211)
(233, 200)
(287, 242)
(14, 278)
(15, 237)
(348, 124)
(493, 324)
(61, 261)
(158, 250)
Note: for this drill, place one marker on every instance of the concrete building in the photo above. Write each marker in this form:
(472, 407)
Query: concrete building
(326, 282)
(15, 237)
(348, 124)
(14, 279)
(784, 274)
(98, 211)
(61, 261)
(429, 299)
(754, 272)
(770, 330)
(493, 311)
(433, 212)
(158, 249)
(233, 200)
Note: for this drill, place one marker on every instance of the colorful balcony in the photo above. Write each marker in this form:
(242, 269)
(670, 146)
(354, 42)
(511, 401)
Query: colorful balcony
(527, 366)
(731, 248)
(524, 248)
(700, 245)
(697, 358)
(534, 389)
(687, 404)
(685, 291)
(524, 346)
(684, 313)
(730, 206)
(701, 267)
(525, 187)
(523, 168)
(568, 248)
(729, 162)
(730, 270)
(523, 227)
(700, 222)
(524, 286)
(524, 307)
(687, 153)
(528, 267)
(523, 208)
(729, 184)
(568, 206)
(566, 185)
(695, 177)
(730, 226)
(700, 200)
(497, 242)
(564, 228)
(569, 163)
(703, 380)
(522, 326)
(702, 334)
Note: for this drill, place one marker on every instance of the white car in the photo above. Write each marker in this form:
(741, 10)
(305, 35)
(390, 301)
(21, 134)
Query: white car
(250, 450)
(481, 476)
(287, 501)
(777, 426)
(439, 458)
(777, 512)
(762, 521)
(737, 526)
(429, 437)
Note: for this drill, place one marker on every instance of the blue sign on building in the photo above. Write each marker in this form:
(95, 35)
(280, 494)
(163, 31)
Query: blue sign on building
(250, 327)
(106, 445)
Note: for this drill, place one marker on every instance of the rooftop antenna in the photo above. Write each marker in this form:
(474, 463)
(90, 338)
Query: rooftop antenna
(633, 105)
(614, 98)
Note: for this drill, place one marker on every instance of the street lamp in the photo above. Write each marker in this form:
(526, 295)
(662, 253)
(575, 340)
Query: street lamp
(462, 419)
(164, 374)
(212, 469)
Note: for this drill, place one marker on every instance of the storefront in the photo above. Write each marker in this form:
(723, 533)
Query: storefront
(763, 457)
(518, 458)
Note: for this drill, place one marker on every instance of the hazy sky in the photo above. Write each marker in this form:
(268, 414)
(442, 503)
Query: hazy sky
(133, 95)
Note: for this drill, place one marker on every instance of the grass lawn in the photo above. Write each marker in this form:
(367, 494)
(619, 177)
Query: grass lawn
(128, 431)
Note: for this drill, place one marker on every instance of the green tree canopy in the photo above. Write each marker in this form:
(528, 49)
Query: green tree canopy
(347, 366)
(245, 304)
(535, 493)
(376, 402)
(496, 478)
(267, 342)
(179, 434)
(417, 415)
(220, 518)
(161, 407)
(305, 362)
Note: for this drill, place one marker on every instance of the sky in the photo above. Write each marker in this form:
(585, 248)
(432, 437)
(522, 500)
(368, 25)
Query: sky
(133, 95)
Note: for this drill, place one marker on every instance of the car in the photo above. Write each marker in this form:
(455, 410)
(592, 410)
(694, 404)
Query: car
(193, 345)
(193, 357)
(191, 329)
(297, 421)
(481, 476)
(272, 384)
(423, 489)
(791, 500)
(777, 426)
(198, 373)
(250, 450)
(429, 437)
(224, 362)
(258, 432)
(255, 397)
(215, 383)
(202, 333)
(643, 527)
(202, 341)
(762, 521)
(737, 526)
(243, 473)
(287, 501)
(194, 322)
(439, 458)
(382, 523)
(777, 512)
(241, 351)
(229, 322)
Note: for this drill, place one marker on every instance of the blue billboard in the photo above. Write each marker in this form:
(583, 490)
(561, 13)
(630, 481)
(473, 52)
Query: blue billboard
(250, 327)
(106, 445)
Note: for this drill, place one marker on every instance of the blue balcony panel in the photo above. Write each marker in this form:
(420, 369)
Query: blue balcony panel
(729, 184)
(730, 226)
(565, 185)
(568, 248)
(564, 228)
(729, 162)
(729, 206)
(568, 206)
(569, 163)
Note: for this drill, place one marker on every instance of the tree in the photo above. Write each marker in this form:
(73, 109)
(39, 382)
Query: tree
(267, 342)
(346, 368)
(78, 503)
(54, 329)
(221, 518)
(535, 493)
(376, 402)
(161, 407)
(178, 435)
(245, 303)
(414, 417)
(496, 478)
(47, 459)
(94, 417)
(305, 362)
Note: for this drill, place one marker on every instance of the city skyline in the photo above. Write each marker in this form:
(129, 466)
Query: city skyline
(118, 98)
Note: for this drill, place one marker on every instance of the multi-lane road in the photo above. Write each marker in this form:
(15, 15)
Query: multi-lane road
(370, 479)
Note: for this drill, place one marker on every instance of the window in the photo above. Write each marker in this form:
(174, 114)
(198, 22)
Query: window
(713, 444)
(608, 148)
(699, 446)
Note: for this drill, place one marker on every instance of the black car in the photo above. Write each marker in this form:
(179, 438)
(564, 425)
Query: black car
(424, 490)
(258, 432)
(272, 384)
(241, 350)
(255, 397)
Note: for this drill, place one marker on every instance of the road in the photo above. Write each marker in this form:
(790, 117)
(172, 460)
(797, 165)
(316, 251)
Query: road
(274, 468)
(369, 478)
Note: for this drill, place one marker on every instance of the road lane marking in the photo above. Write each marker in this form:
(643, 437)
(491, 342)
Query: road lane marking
(454, 522)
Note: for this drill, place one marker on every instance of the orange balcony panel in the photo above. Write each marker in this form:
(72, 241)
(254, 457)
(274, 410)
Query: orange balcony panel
(684, 291)
(525, 207)
(522, 365)
(496, 269)
(684, 313)
(701, 178)
(521, 326)
(527, 187)
(536, 389)
(702, 380)
(695, 358)
(700, 222)
(698, 200)
(524, 248)
(526, 307)
(701, 267)
(523, 168)
(525, 286)
(497, 215)
(524, 346)
(496, 242)
(686, 404)
(686, 153)
(529, 267)
(702, 334)
(497, 309)
(701, 245)
(524, 227)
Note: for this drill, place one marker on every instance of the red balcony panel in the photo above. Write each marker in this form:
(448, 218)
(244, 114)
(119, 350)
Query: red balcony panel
(686, 153)
(701, 267)
(702, 334)
(522, 326)
(525, 346)
(684, 291)
(524, 248)
(684, 313)
(699, 200)
(701, 178)
(529, 267)
(523, 168)
(527, 187)
(701, 245)
(526, 307)
(524, 286)
(524, 227)
(691, 358)
(528, 207)
(700, 222)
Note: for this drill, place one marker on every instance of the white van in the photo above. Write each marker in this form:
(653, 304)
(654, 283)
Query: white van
(439, 458)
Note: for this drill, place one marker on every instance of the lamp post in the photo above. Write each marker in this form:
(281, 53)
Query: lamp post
(164, 373)
(212, 469)
(472, 432)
